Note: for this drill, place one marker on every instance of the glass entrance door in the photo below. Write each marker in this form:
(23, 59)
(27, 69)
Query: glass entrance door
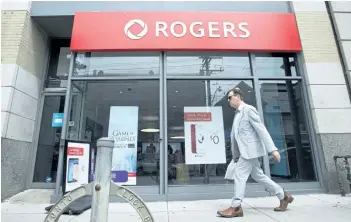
(285, 120)
(46, 161)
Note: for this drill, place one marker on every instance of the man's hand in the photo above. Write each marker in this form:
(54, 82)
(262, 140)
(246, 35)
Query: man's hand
(276, 155)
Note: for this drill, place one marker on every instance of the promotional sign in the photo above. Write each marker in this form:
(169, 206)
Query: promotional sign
(77, 165)
(123, 128)
(57, 119)
(158, 31)
(204, 135)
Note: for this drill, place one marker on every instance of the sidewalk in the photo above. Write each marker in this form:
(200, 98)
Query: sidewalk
(305, 208)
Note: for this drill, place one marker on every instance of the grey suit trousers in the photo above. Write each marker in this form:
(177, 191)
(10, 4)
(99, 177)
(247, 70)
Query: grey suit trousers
(243, 169)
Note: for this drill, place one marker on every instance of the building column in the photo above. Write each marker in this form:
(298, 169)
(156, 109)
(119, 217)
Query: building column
(327, 89)
(23, 60)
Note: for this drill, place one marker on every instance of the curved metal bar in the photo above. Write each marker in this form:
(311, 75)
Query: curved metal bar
(57, 210)
(134, 200)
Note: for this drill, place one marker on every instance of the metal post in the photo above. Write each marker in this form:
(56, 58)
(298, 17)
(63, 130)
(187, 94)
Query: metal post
(102, 180)
(163, 172)
(64, 132)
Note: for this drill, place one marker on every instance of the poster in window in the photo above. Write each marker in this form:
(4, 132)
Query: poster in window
(77, 165)
(204, 135)
(123, 128)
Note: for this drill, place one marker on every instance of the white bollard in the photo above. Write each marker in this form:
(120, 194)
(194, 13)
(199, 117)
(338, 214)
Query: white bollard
(102, 180)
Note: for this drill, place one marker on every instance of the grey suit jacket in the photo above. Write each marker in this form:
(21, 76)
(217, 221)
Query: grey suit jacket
(251, 138)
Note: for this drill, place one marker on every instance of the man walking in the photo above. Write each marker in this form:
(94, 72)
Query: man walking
(250, 140)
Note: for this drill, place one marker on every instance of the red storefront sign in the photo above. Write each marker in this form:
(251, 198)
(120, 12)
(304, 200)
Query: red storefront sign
(191, 31)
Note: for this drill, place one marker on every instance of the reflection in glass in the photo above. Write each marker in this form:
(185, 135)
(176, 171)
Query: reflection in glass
(269, 66)
(49, 141)
(58, 67)
(116, 64)
(285, 120)
(95, 118)
(202, 93)
(208, 64)
(74, 116)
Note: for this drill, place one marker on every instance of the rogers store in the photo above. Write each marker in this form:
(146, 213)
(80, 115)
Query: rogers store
(162, 63)
(134, 74)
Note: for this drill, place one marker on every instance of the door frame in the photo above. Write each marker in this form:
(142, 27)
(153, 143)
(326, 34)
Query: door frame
(37, 126)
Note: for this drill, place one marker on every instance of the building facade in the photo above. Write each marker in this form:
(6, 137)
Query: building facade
(66, 58)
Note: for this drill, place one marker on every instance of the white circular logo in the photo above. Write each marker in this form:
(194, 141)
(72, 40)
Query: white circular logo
(129, 24)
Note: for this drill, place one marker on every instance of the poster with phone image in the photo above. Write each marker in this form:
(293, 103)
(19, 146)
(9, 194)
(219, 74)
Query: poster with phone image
(73, 168)
(77, 165)
(204, 135)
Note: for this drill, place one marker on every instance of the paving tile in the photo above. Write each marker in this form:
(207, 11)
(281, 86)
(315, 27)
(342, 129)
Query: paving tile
(127, 208)
(23, 208)
(333, 199)
(206, 216)
(272, 202)
(309, 213)
(30, 218)
(201, 205)
(128, 217)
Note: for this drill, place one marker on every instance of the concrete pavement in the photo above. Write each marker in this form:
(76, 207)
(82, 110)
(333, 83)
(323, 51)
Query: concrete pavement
(305, 208)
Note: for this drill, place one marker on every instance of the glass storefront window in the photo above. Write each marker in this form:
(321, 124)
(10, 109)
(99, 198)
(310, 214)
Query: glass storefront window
(89, 117)
(95, 120)
(273, 65)
(284, 117)
(117, 64)
(202, 93)
(208, 64)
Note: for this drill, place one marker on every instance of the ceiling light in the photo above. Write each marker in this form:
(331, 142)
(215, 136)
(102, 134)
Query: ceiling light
(150, 118)
(177, 137)
(177, 91)
(177, 128)
(150, 130)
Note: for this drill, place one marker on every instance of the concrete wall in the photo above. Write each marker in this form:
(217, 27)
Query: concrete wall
(24, 50)
(327, 89)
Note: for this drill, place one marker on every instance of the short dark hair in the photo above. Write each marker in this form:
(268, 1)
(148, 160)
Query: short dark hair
(237, 92)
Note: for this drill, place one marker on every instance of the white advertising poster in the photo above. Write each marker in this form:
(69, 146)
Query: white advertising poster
(123, 128)
(77, 165)
(204, 135)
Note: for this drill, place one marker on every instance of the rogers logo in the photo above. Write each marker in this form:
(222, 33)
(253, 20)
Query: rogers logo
(132, 36)
(195, 29)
